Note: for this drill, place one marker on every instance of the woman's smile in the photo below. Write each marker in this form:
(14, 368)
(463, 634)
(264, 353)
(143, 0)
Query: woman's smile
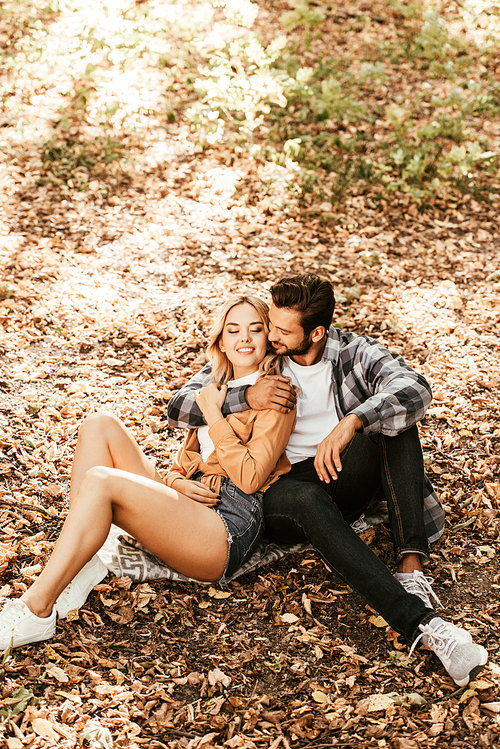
(244, 339)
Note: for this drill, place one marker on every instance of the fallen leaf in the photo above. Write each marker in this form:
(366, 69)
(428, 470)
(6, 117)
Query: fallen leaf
(44, 728)
(378, 621)
(320, 697)
(57, 673)
(216, 676)
(220, 594)
(379, 702)
(98, 736)
(493, 707)
(13, 743)
(289, 618)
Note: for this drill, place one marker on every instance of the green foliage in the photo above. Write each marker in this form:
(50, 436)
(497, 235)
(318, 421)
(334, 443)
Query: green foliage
(435, 44)
(303, 15)
(412, 10)
(5, 291)
(322, 118)
(69, 161)
(17, 704)
(320, 126)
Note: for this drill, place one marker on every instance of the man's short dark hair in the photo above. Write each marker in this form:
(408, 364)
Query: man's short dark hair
(309, 295)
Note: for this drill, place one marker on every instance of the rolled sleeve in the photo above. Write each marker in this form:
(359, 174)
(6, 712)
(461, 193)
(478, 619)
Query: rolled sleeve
(380, 388)
(183, 410)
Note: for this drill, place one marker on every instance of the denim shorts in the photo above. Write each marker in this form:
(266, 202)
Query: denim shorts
(243, 517)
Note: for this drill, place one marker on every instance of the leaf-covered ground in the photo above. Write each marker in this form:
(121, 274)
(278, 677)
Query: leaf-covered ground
(105, 302)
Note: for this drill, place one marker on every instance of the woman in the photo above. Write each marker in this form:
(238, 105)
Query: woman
(208, 517)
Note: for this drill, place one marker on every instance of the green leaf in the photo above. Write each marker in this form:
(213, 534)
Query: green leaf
(23, 696)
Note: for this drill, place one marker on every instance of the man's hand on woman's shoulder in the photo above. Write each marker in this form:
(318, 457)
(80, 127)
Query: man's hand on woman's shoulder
(271, 391)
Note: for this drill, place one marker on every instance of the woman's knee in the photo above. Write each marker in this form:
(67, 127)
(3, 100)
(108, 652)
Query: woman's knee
(98, 481)
(101, 424)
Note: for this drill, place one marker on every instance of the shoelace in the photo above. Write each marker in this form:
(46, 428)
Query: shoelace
(14, 608)
(421, 582)
(439, 641)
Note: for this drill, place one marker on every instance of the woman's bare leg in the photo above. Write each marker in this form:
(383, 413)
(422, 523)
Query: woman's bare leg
(187, 535)
(103, 440)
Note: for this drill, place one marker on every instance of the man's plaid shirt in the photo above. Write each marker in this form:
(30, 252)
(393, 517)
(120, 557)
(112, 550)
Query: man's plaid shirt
(367, 380)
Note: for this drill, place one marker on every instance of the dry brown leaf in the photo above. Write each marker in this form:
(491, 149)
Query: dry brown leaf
(378, 621)
(216, 676)
(57, 673)
(289, 618)
(44, 728)
(319, 696)
(219, 594)
(379, 702)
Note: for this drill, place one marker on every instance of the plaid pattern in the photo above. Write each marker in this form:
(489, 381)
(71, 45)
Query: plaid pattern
(367, 379)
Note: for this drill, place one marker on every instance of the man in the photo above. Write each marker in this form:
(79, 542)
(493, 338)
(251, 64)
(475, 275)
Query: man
(357, 409)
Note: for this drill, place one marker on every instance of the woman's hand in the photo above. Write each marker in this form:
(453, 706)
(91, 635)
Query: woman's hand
(210, 400)
(195, 490)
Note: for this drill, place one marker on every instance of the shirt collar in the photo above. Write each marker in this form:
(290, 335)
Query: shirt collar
(332, 346)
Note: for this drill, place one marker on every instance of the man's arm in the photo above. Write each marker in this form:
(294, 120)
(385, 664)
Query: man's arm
(399, 396)
(378, 392)
(379, 387)
(327, 461)
(184, 412)
(272, 391)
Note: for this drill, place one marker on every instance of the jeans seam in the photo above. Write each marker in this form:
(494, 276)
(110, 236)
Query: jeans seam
(399, 540)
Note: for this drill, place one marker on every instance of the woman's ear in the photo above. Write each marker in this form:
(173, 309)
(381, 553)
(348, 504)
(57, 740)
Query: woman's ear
(221, 346)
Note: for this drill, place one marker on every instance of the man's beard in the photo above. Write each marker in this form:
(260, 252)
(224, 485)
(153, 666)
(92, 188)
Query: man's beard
(301, 350)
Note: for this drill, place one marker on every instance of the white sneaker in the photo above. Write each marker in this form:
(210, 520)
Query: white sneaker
(418, 584)
(19, 626)
(454, 647)
(75, 594)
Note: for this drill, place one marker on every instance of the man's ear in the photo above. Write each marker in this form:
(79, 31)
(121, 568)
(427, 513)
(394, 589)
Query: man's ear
(318, 334)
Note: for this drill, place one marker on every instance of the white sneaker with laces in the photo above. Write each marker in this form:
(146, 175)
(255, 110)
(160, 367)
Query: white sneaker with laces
(19, 626)
(418, 584)
(76, 593)
(454, 647)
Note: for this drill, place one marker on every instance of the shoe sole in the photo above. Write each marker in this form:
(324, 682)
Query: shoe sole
(18, 642)
(32, 640)
(62, 612)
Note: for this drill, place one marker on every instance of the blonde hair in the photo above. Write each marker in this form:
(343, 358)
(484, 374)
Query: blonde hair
(222, 369)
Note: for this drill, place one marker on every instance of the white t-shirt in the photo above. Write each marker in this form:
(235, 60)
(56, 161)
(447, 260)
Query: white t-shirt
(316, 413)
(206, 444)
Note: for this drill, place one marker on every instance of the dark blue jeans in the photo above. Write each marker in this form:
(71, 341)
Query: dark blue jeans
(299, 507)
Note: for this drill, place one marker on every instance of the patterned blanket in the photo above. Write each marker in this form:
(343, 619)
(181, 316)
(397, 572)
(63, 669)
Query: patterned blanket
(126, 557)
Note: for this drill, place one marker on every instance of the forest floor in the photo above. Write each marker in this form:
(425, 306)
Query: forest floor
(105, 301)
(106, 305)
